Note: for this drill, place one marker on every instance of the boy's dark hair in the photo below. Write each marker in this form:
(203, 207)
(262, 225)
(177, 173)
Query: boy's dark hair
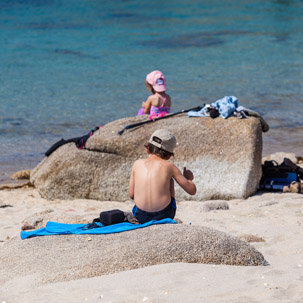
(158, 151)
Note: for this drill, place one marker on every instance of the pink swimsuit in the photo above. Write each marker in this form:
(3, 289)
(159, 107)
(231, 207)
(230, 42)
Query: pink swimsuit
(161, 111)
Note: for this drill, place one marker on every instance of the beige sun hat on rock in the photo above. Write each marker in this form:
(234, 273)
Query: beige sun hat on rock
(163, 139)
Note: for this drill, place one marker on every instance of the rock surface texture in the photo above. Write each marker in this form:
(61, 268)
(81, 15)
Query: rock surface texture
(70, 257)
(224, 155)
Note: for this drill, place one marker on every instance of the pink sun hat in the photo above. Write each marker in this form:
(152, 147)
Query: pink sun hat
(157, 80)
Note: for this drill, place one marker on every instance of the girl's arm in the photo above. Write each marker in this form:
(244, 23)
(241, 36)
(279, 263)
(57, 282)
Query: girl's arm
(147, 105)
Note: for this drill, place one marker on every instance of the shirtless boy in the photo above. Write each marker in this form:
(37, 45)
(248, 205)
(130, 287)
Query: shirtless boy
(152, 180)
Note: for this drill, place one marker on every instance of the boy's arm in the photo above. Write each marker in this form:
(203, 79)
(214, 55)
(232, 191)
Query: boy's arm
(131, 188)
(185, 180)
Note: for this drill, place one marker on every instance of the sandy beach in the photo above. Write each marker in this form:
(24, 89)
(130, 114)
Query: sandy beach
(77, 72)
(276, 218)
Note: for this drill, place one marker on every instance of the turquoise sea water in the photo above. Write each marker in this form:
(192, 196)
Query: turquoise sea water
(67, 66)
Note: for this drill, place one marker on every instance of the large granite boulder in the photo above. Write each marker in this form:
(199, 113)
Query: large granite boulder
(70, 257)
(224, 155)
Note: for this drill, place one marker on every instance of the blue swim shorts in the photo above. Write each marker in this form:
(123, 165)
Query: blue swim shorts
(145, 216)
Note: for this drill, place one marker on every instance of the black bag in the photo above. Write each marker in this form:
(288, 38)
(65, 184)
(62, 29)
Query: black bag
(275, 176)
(111, 217)
(214, 112)
(294, 167)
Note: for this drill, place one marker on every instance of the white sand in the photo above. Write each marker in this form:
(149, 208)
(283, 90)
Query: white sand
(276, 217)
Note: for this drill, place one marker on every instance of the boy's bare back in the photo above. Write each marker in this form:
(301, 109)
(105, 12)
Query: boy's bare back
(150, 183)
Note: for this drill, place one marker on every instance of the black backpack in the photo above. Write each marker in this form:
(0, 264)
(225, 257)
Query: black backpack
(110, 217)
(275, 176)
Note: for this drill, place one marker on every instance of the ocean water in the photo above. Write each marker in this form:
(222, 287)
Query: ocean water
(67, 66)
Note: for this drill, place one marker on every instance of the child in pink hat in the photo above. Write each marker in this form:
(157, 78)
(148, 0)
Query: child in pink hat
(159, 103)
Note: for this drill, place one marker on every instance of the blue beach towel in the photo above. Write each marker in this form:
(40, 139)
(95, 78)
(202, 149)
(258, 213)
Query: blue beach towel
(54, 228)
(226, 107)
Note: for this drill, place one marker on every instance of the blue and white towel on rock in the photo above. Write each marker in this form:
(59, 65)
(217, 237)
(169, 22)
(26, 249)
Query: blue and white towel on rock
(226, 107)
(54, 228)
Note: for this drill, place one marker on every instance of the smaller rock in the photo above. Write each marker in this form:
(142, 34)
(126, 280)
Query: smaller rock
(294, 187)
(250, 238)
(27, 226)
(34, 221)
(279, 157)
(21, 175)
(78, 258)
(217, 205)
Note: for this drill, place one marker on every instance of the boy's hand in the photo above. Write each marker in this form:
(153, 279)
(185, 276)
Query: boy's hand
(188, 174)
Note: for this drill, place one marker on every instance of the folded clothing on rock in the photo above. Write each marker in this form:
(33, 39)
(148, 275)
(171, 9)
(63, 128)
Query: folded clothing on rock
(248, 112)
(227, 107)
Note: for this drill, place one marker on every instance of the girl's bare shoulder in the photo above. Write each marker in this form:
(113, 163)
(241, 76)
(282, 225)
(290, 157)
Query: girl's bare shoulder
(154, 100)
